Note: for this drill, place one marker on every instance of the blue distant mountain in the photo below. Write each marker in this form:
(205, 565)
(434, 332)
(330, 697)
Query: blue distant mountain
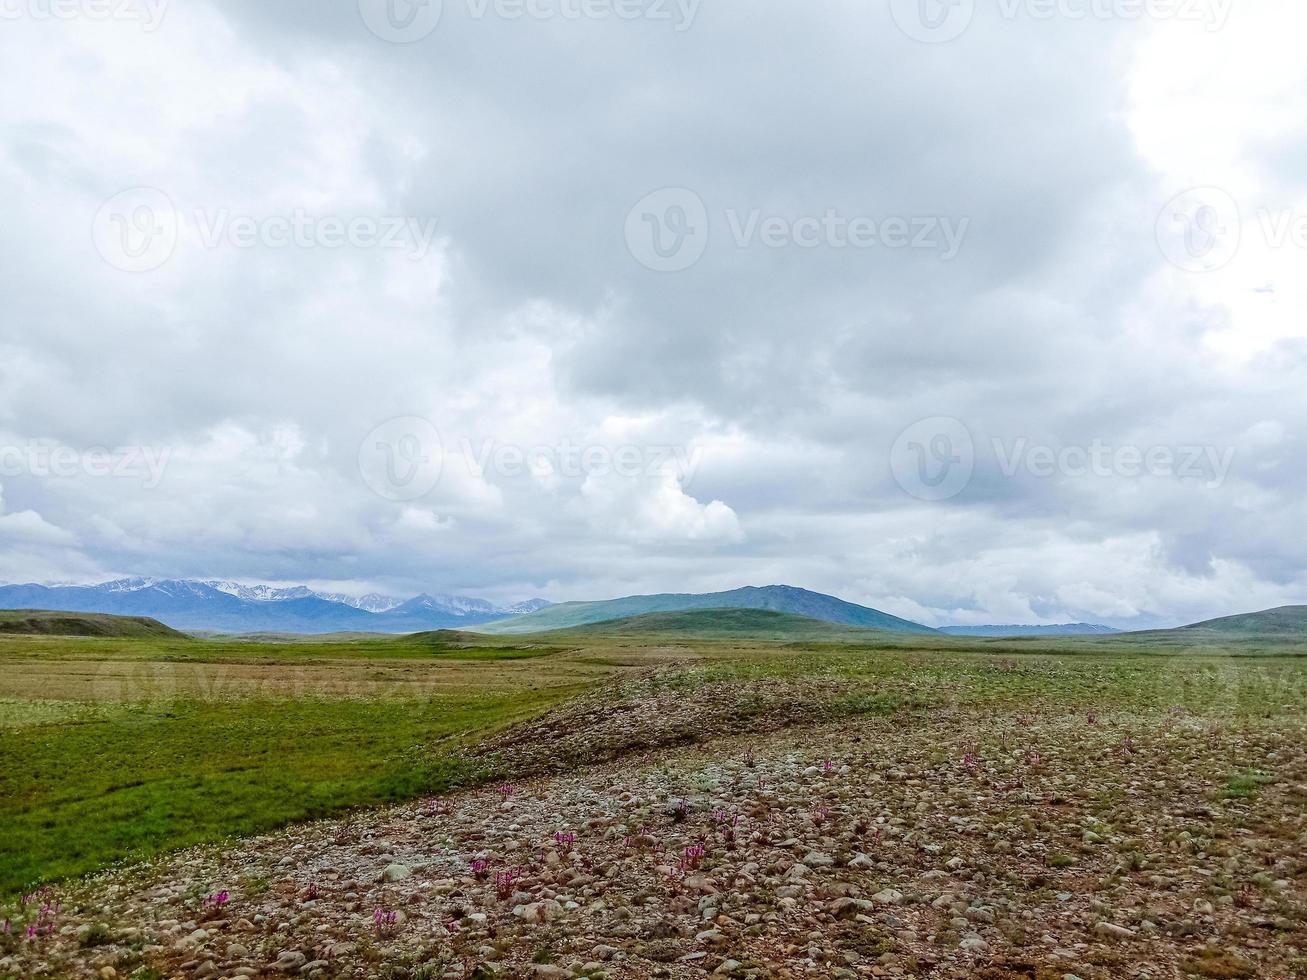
(228, 607)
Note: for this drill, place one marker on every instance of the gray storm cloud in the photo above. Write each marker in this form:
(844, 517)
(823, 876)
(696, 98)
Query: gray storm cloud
(862, 264)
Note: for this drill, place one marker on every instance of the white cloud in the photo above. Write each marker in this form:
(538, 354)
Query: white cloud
(781, 377)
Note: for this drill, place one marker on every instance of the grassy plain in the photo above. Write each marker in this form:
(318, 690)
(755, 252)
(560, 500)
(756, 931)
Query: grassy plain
(117, 749)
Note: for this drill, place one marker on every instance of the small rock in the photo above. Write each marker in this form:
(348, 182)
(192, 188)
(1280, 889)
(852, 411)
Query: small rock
(396, 872)
(291, 959)
(848, 908)
(538, 912)
(1113, 930)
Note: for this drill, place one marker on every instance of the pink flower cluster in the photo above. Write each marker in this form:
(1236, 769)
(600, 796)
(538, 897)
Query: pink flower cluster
(217, 900)
(386, 921)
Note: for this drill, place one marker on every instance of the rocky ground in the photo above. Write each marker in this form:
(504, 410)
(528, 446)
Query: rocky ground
(755, 831)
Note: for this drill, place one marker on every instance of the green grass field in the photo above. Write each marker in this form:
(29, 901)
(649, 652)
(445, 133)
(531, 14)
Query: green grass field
(116, 749)
(113, 749)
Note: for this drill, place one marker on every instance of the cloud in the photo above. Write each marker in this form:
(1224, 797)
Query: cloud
(655, 510)
(759, 393)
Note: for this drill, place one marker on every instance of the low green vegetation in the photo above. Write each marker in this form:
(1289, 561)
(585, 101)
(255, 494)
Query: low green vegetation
(728, 623)
(1244, 785)
(132, 780)
(117, 748)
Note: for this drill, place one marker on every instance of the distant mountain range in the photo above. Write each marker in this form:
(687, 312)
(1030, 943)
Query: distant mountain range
(775, 598)
(1069, 629)
(230, 607)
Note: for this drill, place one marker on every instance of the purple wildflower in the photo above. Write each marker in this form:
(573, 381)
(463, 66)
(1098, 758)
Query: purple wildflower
(505, 882)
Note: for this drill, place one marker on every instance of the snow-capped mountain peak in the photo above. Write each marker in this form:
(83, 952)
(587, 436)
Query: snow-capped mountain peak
(373, 602)
(127, 584)
(262, 593)
(455, 604)
(529, 606)
(229, 606)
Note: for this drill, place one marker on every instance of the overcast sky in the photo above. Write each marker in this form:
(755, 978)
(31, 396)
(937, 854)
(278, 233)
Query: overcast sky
(972, 312)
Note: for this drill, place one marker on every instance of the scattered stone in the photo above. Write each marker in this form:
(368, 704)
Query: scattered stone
(768, 870)
(396, 872)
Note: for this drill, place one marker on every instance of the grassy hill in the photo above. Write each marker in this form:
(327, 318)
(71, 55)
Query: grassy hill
(39, 622)
(693, 624)
(1284, 621)
(774, 598)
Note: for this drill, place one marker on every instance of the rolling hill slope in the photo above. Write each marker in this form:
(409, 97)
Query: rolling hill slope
(1283, 621)
(724, 623)
(43, 622)
(774, 598)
